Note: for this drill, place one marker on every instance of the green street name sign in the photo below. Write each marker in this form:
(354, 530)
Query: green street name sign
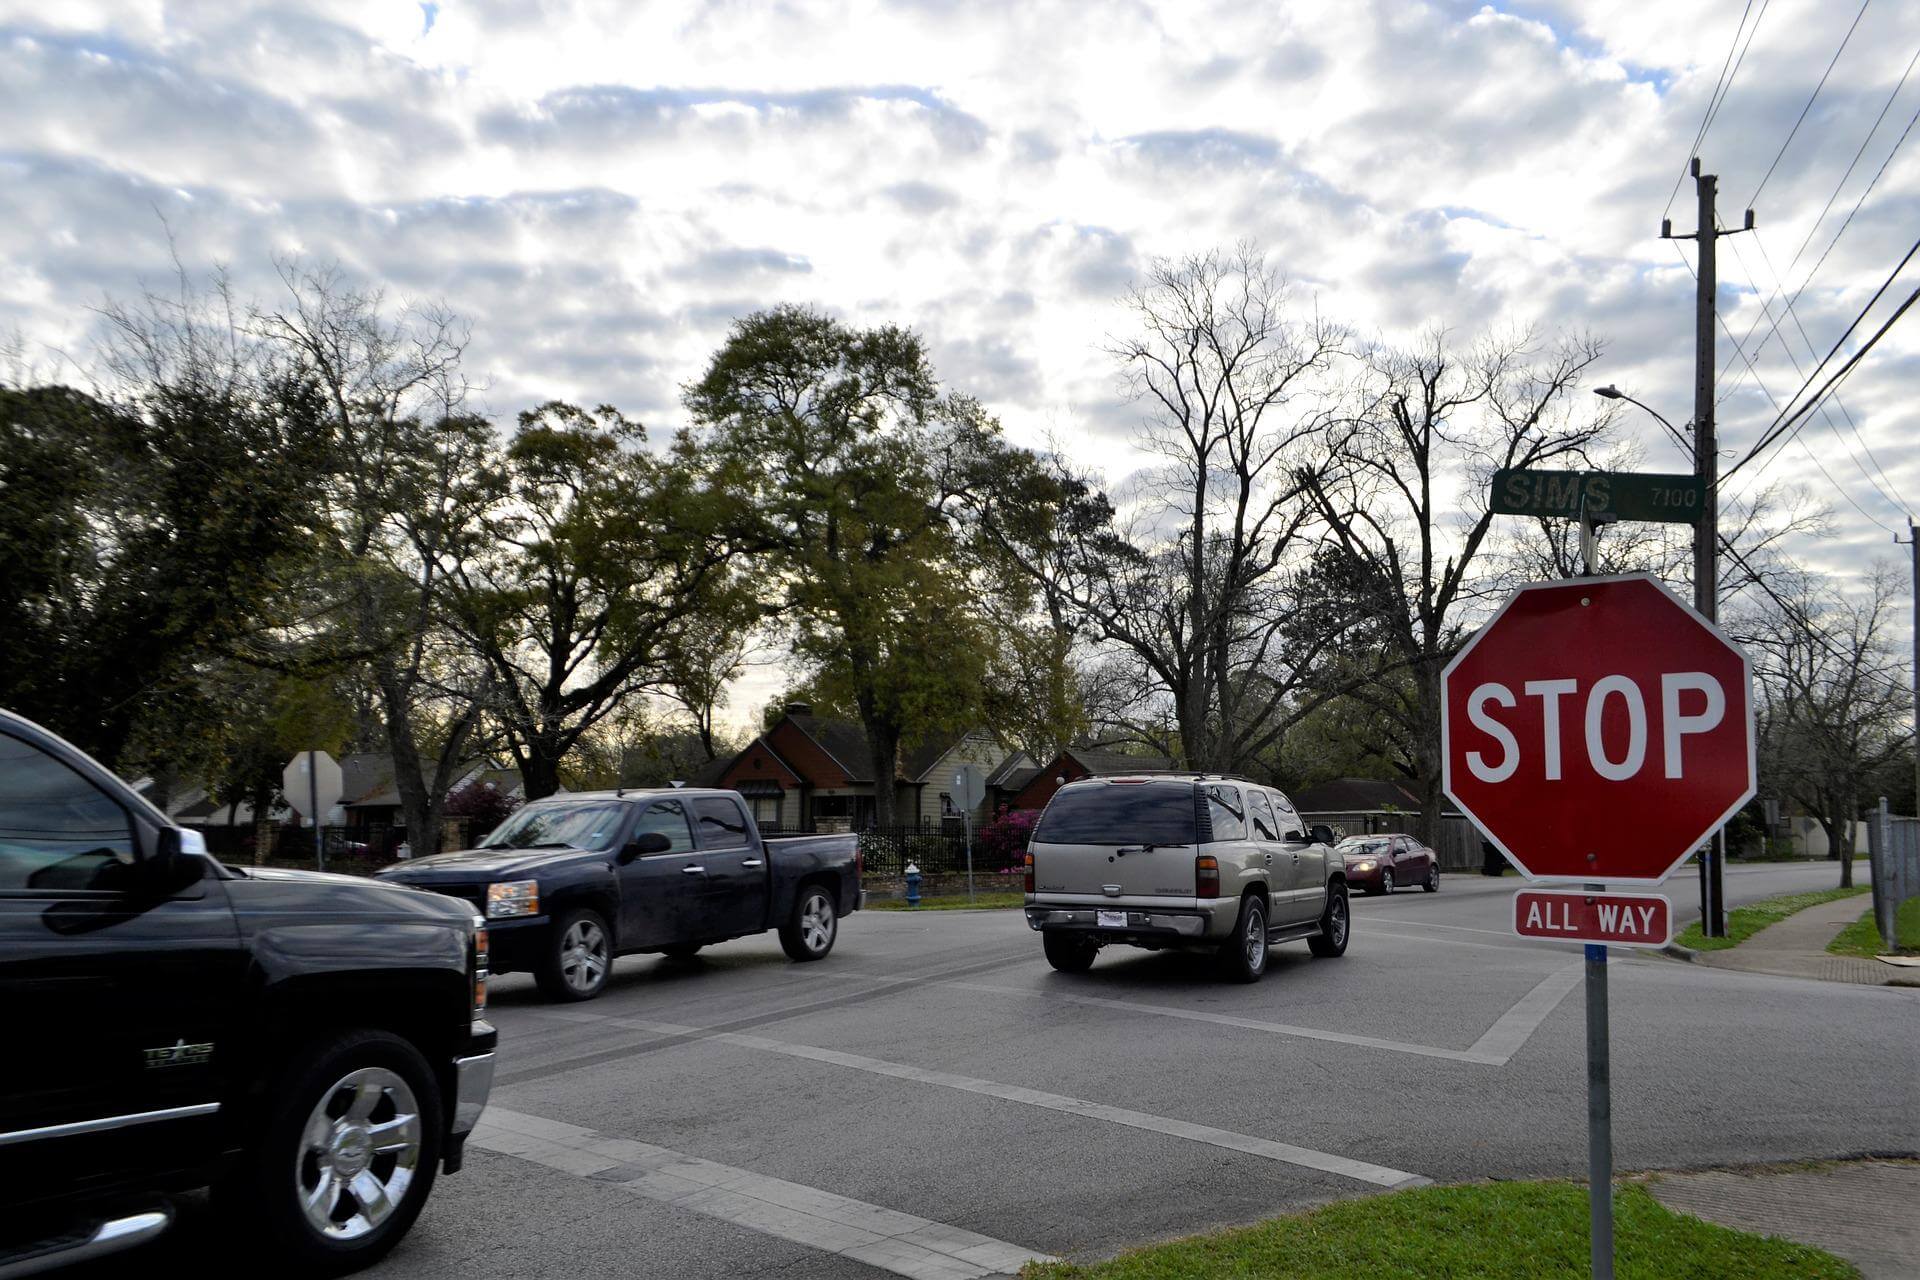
(1622, 495)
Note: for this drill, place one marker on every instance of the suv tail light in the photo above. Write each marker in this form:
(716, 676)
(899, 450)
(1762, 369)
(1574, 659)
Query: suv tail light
(1029, 871)
(1206, 876)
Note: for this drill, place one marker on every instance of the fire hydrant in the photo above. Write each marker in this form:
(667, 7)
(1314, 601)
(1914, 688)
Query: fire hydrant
(913, 885)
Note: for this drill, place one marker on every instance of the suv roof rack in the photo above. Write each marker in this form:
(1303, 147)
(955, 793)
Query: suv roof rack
(1173, 773)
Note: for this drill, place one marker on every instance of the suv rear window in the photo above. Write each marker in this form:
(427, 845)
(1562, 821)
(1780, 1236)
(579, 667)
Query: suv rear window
(1120, 813)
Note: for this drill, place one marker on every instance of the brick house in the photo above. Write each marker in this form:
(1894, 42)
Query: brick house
(810, 770)
(1033, 790)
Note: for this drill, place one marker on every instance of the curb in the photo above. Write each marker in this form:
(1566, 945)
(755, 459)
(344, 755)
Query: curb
(1674, 951)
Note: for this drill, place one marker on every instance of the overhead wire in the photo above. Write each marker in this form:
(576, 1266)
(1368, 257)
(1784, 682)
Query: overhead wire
(1847, 222)
(1788, 141)
(1720, 87)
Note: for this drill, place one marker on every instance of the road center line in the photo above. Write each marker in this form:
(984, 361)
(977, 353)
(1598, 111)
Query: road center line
(880, 1237)
(1265, 1148)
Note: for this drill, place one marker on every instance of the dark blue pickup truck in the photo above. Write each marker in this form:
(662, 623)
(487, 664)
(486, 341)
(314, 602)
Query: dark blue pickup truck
(571, 881)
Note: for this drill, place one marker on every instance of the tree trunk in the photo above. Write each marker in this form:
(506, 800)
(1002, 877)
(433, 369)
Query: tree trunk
(540, 768)
(883, 744)
(1835, 827)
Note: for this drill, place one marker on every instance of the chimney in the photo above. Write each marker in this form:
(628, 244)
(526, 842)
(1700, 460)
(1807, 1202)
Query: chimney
(799, 708)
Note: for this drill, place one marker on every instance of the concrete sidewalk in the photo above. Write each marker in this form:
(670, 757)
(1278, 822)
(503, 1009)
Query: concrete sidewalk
(1797, 948)
(1861, 1210)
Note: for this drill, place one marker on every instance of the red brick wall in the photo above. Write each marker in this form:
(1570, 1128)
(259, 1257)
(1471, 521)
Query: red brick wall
(807, 759)
(1036, 793)
(756, 762)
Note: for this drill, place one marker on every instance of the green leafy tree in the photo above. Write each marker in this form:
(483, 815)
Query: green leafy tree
(603, 563)
(836, 440)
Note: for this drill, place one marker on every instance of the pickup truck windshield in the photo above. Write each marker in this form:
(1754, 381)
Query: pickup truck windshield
(1156, 813)
(576, 825)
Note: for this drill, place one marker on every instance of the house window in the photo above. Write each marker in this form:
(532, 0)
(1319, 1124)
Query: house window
(766, 810)
(946, 806)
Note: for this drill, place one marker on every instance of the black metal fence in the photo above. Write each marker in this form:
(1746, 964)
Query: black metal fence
(936, 852)
(357, 850)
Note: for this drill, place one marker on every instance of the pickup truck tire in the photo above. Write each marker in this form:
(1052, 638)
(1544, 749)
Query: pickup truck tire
(1336, 924)
(346, 1158)
(1068, 953)
(810, 930)
(1244, 957)
(578, 957)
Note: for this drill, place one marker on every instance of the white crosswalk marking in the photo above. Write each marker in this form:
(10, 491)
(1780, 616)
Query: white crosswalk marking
(1266, 1148)
(886, 1238)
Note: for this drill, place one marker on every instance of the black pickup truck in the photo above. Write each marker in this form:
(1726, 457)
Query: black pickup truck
(312, 1047)
(569, 882)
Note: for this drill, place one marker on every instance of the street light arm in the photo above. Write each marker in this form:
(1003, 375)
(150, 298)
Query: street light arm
(1615, 393)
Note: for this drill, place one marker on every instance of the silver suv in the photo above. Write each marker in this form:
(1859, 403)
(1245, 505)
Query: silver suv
(1189, 861)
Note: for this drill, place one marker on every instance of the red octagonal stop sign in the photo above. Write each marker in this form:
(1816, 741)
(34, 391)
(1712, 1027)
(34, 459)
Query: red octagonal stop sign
(1597, 729)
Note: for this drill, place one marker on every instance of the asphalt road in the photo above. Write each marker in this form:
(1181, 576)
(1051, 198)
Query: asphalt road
(933, 1100)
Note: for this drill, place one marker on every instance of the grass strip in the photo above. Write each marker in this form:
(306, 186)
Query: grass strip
(951, 902)
(1862, 937)
(1494, 1231)
(1744, 922)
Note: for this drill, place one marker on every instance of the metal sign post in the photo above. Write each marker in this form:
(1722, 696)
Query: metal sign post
(1599, 1114)
(313, 806)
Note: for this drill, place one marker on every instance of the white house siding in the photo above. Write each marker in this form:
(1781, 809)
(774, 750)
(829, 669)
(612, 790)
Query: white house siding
(978, 749)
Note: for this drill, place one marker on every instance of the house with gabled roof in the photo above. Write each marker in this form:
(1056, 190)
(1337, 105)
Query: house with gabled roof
(1076, 763)
(816, 771)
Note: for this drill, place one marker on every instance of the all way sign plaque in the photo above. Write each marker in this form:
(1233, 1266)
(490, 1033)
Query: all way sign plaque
(1614, 919)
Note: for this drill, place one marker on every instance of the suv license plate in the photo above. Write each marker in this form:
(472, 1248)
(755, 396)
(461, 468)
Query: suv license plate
(1111, 919)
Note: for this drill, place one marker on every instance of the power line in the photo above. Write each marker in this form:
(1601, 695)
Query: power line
(1849, 213)
(1720, 87)
(1858, 435)
(1799, 415)
(1755, 197)
(1775, 402)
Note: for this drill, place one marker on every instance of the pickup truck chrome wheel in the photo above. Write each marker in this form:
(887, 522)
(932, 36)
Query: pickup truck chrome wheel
(358, 1153)
(811, 929)
(816, 922)
(583, 956)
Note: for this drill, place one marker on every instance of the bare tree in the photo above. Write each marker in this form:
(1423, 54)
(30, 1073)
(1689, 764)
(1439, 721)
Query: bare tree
(401, 506)
(1833, 701)
(1404, 501)
(1190, 581)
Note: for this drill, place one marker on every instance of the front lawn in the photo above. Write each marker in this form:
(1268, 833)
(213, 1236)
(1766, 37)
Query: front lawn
(1744, 922)
(1862, 937)
(952, 902)
(1496, 1231)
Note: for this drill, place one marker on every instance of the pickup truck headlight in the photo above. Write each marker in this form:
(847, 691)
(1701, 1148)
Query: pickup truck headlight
(513, 898)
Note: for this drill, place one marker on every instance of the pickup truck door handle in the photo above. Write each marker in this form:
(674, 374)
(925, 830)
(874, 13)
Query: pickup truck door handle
(691, 871)
(753, 862)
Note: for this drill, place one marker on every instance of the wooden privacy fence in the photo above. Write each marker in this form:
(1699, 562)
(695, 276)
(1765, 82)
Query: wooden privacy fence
(1457, 841)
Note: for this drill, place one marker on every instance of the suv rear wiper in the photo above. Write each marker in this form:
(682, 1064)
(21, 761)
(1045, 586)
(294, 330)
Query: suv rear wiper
(1124, 850)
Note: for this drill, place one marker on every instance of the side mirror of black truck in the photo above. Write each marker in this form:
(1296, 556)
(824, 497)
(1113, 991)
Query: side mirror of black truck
(645, 843)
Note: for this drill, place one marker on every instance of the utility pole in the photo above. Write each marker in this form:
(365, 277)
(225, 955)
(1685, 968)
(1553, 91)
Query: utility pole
(1913, 545)
(1706, 464)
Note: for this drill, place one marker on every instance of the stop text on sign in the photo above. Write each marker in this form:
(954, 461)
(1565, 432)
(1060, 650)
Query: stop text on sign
(1616, 698)
(1618, 919)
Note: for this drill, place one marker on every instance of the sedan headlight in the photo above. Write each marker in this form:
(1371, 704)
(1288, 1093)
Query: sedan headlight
(1368, 865)
(513, 898)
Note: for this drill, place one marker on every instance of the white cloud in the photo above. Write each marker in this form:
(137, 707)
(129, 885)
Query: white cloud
(602, 186)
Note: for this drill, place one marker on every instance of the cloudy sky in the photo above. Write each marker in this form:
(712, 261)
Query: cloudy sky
(602, 187)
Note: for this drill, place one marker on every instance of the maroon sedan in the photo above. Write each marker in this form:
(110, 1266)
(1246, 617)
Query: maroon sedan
(1381, 864)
